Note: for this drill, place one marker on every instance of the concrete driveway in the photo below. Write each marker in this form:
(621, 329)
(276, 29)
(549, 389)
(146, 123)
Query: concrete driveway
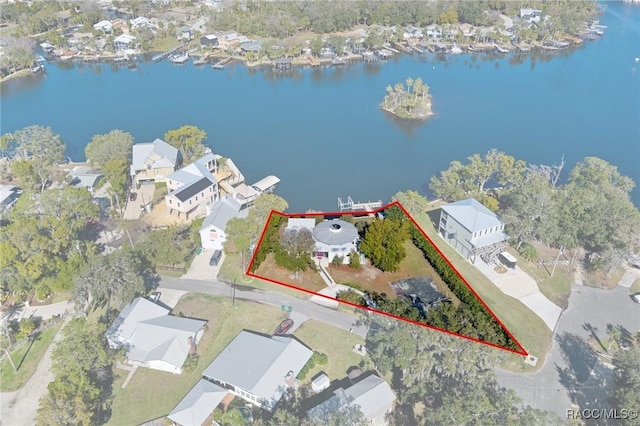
(133, 210)
(200, 268)
(572, 373)
(517, 284)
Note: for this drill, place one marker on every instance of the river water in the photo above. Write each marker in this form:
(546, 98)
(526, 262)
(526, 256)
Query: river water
(322, 132)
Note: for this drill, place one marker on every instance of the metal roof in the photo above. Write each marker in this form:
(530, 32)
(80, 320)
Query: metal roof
(266, 183)
(222, 212)
(472, 215)
(198, 404)
(259, 364)
(142, 151)
(335, 232)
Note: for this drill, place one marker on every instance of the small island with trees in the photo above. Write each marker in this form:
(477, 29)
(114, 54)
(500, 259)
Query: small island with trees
(412, 102)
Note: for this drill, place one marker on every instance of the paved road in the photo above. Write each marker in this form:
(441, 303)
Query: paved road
(19, 407)
(330, 316)
(572, 373)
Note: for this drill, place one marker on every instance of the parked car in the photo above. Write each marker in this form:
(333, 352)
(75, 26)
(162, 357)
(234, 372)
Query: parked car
(215, 258)
(284, 327)
(133, 196)
(636, 297)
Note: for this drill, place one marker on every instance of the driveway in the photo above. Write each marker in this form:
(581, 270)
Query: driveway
(200, 268)
(572, 373)
(630, 275)
(517, 284)
(133, 210)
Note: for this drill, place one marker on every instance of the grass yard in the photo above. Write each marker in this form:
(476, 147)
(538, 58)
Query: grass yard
(600, 279)
(557, 288)
(151, 394)
(26, 359)
(336, 344)
(527, 327)
(635, 287)
(371, 278)
(308, 279)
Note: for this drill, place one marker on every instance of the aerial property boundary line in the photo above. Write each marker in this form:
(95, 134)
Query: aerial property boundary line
(520, 351)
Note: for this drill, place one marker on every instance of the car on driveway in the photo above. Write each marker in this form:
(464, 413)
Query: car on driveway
(215, 258)
(284, 327)
(636, 297)
(133, 196)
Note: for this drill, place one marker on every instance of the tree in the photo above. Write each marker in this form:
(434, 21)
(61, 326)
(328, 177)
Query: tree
(188, 140)
(43, 149)
(116, 172)
(115, 145)
(383, 243)
(5, 343)
(412, 201)
(354, 260)
(627, 378)
(298, 243)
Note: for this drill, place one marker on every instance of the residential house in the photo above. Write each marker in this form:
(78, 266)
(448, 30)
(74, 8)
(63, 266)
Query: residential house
(412, 33)
(335, 238)
(251, 46)
(8, 195)
(152, 338)
(372, 395)
(209, 40)
(141, 22)
(472, 229)
(104, 26)
(259, 368)
(212, 232)
(226, 39)
(198, 404)
(124, 42)
(84, 177)
(62, 16)
(185, 33)
(193, 188)
(531, 15)
(434, 32)
(153, 161)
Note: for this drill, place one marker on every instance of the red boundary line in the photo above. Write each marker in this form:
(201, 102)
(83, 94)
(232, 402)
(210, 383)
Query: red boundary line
(366, 308)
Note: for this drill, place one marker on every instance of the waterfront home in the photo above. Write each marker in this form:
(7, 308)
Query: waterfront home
(104, 26)
(335, 238)
(62, 16)
(530, 15)
(8, 195)
(153, 161)
(434, 31)
(193, 188)
(152, 338)
(472, 229)
(412, 33)
(226, 39)
(198, 404)
(251, 46)
(84, 177)
(124, 42)
(141, 22)
(185, 33)
(212, 232)
(371, 395)
(209, 40)
(259, 368)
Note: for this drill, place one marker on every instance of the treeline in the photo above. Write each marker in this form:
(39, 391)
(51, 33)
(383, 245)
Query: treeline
(283, 19)
(591, 210)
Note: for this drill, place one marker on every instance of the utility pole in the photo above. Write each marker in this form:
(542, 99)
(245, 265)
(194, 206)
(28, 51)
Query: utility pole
(557, 258)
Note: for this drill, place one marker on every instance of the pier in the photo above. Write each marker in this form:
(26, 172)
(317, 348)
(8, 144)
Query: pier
(220, 64)
(369, 206)
(165, 55)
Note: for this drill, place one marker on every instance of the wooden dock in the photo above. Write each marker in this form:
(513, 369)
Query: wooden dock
(165, 55)
(221, 64)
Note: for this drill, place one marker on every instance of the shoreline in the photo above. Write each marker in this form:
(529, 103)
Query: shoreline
(422, 117)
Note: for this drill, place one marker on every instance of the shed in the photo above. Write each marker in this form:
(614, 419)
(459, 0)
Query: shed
(320, 383)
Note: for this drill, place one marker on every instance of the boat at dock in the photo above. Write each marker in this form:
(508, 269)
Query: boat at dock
(178, 59)
(336, 62)
(500, 49)
(471, 49)
(200, 61)
(456, 49)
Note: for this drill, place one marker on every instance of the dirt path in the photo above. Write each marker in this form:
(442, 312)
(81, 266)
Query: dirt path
(20, 407)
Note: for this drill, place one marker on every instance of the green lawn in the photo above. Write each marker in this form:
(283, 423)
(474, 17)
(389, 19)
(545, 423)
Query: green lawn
(556, 288)
(526, 327)
(26, 359)
(151, 394)
(336, 344)
(635, 287)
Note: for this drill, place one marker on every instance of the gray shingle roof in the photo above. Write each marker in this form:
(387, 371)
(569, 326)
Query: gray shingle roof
(472, 215)
(167, 156)
(259, 364)
(335, 232)
(198, 404)
(222, 212)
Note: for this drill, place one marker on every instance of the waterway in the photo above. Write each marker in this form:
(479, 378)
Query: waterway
(322, 132)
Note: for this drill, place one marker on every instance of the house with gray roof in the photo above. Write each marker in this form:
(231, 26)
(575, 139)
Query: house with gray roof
(371, 395)
(153, 161)
(472, 229)
(259, 368)
(8, 195)
(198, 404)
(152, 338)
(335, 238)
(212, 232)
(193, 189)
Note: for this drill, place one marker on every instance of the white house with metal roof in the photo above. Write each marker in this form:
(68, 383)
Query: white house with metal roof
(372, 395)
(193, 188)
(153, 161)
(472, 229)
(212, 232)
(335, 238)
(258, 368)
(152, 338)
(198, 404)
